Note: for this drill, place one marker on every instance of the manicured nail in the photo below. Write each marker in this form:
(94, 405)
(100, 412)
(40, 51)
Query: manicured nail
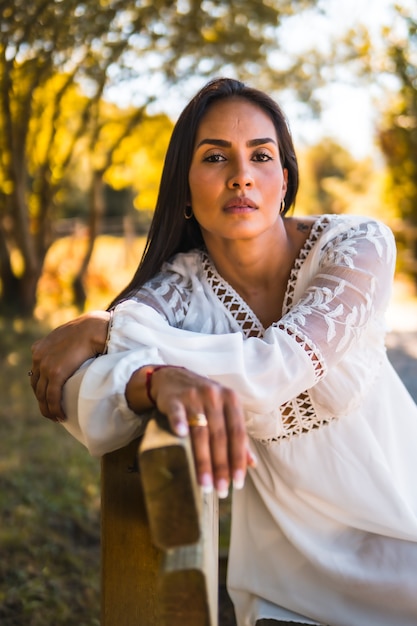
(238, 479)
(181, 429)
(206, 483)
(222, 488)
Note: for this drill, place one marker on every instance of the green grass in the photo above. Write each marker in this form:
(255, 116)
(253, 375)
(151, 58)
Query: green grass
(49, 504)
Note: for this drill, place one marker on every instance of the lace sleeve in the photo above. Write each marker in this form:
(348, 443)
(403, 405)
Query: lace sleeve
(352, 285)
(168, 294)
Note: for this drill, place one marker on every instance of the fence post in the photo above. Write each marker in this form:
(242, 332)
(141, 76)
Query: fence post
(159, 535)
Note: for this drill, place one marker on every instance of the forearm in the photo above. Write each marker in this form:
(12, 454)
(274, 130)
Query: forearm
(58, 355)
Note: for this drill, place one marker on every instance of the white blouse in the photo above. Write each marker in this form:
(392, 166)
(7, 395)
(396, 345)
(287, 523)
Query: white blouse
(325, 529)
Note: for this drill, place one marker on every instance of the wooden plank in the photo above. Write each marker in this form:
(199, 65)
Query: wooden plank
(130, 563)
(172, 495)
(188, 582)
(184, 523)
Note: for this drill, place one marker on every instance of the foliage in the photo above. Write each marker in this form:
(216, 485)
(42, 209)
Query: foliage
(137, 163)
(58, 63)
(332, 181)
(104, 278)
(387, 63)
(398, 128)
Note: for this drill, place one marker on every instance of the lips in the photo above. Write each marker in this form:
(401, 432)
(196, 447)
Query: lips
(240, 203)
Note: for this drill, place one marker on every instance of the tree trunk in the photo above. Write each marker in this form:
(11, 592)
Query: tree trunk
(18, 294)
(95, 221)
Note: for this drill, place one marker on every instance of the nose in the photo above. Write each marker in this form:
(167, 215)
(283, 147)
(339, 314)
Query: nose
(240, 179)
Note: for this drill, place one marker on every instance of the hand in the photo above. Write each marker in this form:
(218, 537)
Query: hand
(58, 355)
(220, 446)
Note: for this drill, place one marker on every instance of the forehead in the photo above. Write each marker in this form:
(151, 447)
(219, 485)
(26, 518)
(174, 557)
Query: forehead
(231, 115)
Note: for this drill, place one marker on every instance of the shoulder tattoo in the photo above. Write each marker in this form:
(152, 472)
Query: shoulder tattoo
(303, 227)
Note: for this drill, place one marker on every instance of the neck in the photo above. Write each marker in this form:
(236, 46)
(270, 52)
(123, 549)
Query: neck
(253, 265)
(258, 271)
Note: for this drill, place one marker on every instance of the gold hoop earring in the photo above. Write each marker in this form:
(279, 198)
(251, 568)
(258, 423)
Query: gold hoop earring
(282, 207)
(188, 212)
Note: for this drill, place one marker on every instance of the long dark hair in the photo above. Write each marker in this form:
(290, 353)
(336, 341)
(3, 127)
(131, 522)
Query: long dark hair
(170, 232)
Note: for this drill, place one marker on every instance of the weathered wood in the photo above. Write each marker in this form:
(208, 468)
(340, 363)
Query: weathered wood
(130, 562)
(189, 579)
(172, 496)
(184, 523)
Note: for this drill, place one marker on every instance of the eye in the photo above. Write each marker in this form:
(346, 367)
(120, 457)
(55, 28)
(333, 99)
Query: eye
(217, 157)
(262, 157)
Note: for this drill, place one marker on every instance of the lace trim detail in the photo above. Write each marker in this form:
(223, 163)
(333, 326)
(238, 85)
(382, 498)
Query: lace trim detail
(313, 351)
(318, 227)
(298, 414)
(298, 418)
(232, 301)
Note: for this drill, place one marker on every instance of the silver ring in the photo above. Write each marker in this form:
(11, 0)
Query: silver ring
(199, 419)
(30, 373)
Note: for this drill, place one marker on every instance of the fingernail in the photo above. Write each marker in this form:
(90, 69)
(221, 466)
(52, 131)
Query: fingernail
(181, 429)
(238, 479)
(206, 483)
(222, 488)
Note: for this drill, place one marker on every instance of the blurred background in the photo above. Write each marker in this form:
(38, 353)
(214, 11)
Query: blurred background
(89, 92)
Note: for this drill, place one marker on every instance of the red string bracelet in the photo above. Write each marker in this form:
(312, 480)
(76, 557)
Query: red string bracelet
(148, 380)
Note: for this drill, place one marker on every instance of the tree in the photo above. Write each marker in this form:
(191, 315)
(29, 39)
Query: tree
(333, 181)
(397, 133)
(59, 61)
(398, 127)
(389, 64)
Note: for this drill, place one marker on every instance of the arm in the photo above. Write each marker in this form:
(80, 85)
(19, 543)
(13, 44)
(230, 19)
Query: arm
(58, 355)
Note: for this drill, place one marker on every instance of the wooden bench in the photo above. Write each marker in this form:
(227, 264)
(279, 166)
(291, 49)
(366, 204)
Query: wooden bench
(159, 535)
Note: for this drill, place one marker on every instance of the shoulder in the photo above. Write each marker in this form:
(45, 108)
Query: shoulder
(184, 264)
(357, 227)
(327, 227)
(170, 290)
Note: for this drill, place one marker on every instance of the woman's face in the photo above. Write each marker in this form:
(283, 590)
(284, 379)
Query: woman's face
(236, 178)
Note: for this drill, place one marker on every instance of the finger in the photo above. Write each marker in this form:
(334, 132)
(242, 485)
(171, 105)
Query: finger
(238, 446)
(33, 378)
(40, 393)
(251, 458)
(49, 399)
(177, 418)
(219, 453)
(53, 399)
(200, 440)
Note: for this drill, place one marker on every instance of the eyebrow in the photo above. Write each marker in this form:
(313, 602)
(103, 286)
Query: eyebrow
(222, 143)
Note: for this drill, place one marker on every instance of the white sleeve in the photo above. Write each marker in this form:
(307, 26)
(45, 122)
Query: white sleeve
(351, 285)
(258, 370)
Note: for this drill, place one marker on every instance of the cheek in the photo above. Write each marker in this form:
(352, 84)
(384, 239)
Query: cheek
(200, 185)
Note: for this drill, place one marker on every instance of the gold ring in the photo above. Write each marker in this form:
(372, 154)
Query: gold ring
(199, 419)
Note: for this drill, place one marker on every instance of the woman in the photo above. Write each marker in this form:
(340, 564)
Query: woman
(262, 335)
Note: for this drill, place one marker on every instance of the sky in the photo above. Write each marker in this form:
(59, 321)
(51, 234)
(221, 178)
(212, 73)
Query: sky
(349, 110)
